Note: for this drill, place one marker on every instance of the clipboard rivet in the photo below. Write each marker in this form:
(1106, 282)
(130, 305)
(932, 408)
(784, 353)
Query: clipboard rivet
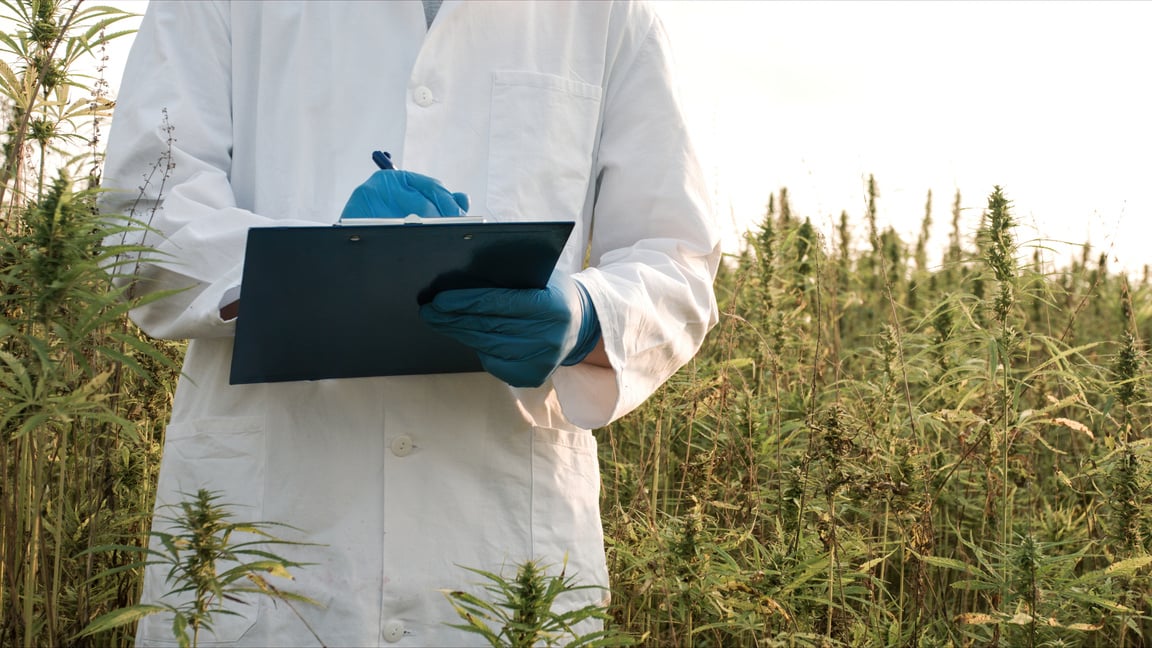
(354, 237)
(467, 237)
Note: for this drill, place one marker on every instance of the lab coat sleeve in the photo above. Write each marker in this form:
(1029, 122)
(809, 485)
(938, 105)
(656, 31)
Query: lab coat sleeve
(167, 166)
(654, 248)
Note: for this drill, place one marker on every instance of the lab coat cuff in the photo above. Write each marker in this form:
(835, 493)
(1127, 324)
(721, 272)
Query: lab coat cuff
(589, 395)
(206, 307)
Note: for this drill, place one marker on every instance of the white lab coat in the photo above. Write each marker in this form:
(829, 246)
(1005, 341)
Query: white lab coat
(538, 112)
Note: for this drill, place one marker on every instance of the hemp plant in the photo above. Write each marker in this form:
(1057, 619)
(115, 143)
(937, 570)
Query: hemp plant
(521, 611)
(74, 445)
(207, 565)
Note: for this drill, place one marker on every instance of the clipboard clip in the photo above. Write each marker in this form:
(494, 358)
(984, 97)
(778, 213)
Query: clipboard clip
(412, 219)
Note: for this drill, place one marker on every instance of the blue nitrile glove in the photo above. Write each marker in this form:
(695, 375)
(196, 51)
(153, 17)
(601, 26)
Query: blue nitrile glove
(391, 193)
(521, 336)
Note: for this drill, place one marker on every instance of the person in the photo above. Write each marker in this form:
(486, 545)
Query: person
(265, 113)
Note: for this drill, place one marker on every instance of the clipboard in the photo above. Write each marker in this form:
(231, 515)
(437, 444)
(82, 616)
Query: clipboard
(343, 301)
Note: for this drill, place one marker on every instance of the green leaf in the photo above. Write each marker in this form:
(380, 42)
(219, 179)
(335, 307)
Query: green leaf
(1087, 597)
(868, 565)
(947, 563)
(974, 585)
(121, 617)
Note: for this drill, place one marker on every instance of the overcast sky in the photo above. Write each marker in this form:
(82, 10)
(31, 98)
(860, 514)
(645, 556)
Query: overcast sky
(1051, 100)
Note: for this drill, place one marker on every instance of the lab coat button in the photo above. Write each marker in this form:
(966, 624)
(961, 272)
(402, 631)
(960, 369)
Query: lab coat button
(401, 445)
(423, 96)
(393, 631)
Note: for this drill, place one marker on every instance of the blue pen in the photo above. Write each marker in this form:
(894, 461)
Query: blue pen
(383, 159)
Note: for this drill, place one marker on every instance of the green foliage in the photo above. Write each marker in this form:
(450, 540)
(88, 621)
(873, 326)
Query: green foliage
(528, 611)
(82, 394)
(207, 565)
(873, 451)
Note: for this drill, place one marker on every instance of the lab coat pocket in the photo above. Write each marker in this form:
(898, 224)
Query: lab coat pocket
(543, 132)
(225, 456)
(566, 505)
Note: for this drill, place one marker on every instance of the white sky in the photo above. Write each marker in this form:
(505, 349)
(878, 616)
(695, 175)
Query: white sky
(1051, 100)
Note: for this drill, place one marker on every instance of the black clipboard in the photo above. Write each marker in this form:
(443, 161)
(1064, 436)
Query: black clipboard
(343, 301)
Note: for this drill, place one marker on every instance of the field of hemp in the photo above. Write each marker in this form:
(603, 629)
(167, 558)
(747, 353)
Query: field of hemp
(875, 451)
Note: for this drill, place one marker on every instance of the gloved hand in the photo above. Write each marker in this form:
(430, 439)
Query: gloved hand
(521, 336)
(391, 193)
